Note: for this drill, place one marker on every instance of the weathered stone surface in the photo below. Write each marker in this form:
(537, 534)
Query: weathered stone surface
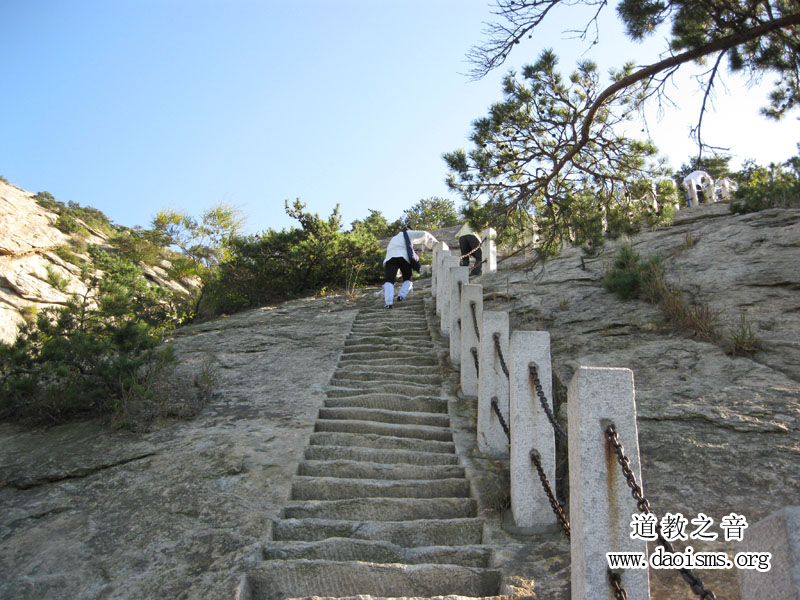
(182, 512)
(24, 225)
(89, 513)
(32, 275)
(718, 434)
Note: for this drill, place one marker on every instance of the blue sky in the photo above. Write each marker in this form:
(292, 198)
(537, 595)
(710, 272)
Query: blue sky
(138, 105)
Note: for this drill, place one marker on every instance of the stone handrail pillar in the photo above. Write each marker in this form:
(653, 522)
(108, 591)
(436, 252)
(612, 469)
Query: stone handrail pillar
(448, 263)
(493, 383)
(489, 249)
(600, 502)
(459, 276)
(471, 298)
(778, 534)
(530, 431)
(438, 247)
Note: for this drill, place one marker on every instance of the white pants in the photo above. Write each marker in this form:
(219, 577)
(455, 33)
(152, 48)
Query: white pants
(405, 290)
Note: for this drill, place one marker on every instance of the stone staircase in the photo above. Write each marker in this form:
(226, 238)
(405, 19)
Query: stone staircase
(380, 506)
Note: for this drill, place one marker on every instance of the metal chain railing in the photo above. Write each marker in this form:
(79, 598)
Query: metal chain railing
(644, 507)
(503, 424)
(470, 253)
(472, 307)
(499, 352)
(474, 351)
(537, 385)
(557, 508)
(615, 581)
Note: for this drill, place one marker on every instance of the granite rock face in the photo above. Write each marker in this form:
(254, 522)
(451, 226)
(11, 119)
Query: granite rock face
(183, 511)
(32, 275)
(718, 433)
(176, 513)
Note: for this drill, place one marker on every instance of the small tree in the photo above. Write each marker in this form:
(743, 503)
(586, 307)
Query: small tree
(376, 225)
(87, 357)
(277, 265)
(518, 166)
(431, 213)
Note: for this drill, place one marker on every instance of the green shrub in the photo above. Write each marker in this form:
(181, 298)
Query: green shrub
(278, 265)
(93, 355)
(629, 277)
(65, 253)
(743, 341)
(55, 279)
(776, 186)
(135, 246)
(68, 225)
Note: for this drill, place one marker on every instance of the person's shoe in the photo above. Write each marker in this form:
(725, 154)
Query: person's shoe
(388, 306)
(401, 298)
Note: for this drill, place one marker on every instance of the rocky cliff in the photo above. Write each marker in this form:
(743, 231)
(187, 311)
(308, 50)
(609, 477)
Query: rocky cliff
(33, 274)
(183, 511)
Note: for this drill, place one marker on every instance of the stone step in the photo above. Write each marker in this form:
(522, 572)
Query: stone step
(382, 509)
(404, 350)
(395, 356)
(391, 402)
(385, 372)
(390, 330)
(418, 337)
(391, 362)
(384, 416)
(425, 532)
(376, 455)
(422, 432)
(345, 376)
(388, 388)
(346, 549)
(395, 342)
(351, 469)
(336, 488)
(296, 578)
(369, 440)
(398, 387)
(388, 322)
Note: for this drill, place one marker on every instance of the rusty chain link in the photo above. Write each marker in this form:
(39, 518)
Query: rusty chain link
(472, 306)
(470, 253)
(557, 508)
(503, 424)
(644, 506)
(499, 351)
(537, 385)
(475, 356)
(615, 581)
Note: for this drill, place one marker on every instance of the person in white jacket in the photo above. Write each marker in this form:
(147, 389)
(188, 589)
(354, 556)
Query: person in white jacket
(397, 258)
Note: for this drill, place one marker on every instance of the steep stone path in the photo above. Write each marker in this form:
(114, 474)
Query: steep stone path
(380, 505)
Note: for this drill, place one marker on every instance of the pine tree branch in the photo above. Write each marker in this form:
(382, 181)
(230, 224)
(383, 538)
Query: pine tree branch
(717, 45)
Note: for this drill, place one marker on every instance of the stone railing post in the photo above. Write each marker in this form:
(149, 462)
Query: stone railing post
(438, 248)
(438, 267)
(459, 276)
(530, 431)
(778, 534)
(493, 383)
(471, 312)
(489, 249)
(600, 502)
(447, 264)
